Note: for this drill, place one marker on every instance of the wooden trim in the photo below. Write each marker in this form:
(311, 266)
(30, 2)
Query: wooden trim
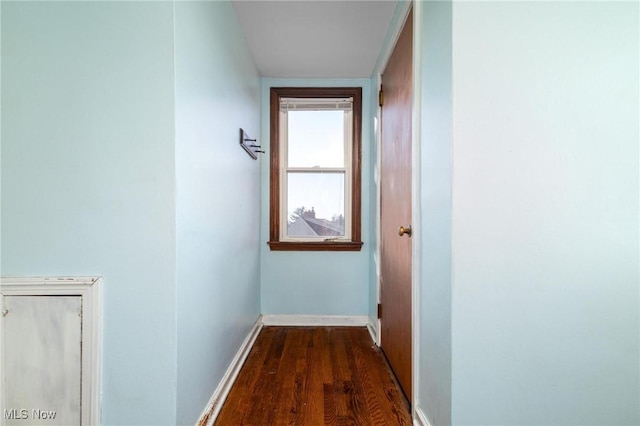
(315, 246)
(274, 185)
(356, 168)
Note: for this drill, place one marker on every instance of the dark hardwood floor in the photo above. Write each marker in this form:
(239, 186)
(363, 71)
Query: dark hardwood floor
(315, 376)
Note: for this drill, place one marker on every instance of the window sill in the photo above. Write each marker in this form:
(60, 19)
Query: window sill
(315, 246)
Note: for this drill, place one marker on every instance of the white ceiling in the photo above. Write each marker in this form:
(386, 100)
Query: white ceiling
(315, 38)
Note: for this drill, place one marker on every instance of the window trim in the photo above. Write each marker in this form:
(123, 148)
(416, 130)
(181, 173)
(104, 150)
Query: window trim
(275, 243)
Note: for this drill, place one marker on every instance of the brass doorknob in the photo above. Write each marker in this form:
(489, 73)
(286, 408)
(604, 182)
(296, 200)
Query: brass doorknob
(402, 230)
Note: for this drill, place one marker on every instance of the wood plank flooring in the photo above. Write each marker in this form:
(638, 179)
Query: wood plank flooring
(315, 376)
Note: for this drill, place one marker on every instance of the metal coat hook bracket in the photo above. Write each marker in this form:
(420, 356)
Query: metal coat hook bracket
(251, 148)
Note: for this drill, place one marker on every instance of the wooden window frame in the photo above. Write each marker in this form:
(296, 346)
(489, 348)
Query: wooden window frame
(355, 243)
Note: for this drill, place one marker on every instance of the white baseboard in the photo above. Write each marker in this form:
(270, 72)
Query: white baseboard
(212, 409)
(372, 326)
(419, 418)
(316, 320)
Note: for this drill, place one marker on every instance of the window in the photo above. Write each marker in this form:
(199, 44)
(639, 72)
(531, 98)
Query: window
(315, 169)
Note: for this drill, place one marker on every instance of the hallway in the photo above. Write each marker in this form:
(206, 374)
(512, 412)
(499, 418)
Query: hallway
(313, 376)
(121, 159)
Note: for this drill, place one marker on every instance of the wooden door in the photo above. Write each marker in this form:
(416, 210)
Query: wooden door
(42, 360)
(395, 209)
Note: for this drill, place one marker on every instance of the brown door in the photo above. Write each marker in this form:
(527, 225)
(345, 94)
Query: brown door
(395, 209)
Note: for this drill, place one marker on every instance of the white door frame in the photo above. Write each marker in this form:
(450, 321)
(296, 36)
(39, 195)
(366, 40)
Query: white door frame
(90, 289)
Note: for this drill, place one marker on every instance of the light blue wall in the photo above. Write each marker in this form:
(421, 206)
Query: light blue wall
(433, 72)
(88, 178)
(316, 283)
(545, 213)
(218, 198)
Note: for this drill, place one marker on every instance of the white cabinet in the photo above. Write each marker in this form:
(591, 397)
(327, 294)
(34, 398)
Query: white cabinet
(49, 347)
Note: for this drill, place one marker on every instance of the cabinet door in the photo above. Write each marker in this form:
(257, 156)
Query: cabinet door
(42, 360)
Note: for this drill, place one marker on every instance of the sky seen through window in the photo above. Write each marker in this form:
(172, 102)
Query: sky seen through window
(316, 139)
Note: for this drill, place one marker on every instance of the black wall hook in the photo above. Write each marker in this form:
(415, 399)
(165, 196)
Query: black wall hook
(251, 148)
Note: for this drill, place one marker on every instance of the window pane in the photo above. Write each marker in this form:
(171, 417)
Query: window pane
(316, 138)
(315, 204)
